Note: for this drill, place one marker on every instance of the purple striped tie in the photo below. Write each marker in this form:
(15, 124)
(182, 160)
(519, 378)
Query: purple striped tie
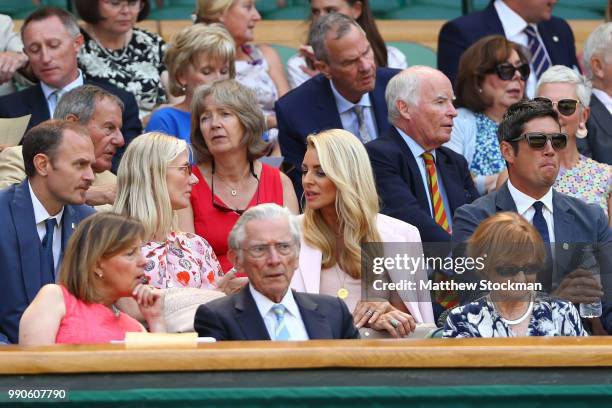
(540, 61)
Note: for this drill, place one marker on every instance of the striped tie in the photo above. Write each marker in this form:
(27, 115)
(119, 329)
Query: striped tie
(540, 61)
(281, 332)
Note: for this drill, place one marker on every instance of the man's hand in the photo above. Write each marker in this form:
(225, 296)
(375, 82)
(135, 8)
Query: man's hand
(10, 62)
(579, 286)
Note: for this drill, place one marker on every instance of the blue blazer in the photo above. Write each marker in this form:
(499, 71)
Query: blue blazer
(32, 101)
(236, 317)
(311, 108)
(598, 143)
(457, 35)
(20, 253)
(401, 189)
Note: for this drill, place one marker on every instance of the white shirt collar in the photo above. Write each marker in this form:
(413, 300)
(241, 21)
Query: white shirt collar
(48, 90)
(604, 98)
(264, 305)
(40, 212)
(344, 104)
(416, 149)
(512, 23)
(524, 202)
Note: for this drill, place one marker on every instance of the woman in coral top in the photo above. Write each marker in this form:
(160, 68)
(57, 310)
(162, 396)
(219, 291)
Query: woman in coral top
(226, 128)
(102, 263)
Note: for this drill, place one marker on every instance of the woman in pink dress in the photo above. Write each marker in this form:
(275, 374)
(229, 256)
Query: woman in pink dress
(102, 263)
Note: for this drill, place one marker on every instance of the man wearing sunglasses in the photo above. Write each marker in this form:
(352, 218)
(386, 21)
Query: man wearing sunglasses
(526, 22)
(530, 139)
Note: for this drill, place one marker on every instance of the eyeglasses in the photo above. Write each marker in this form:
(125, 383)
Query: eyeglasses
(186, 169)
(566, 107)
(133, 4)
(506, 71)
(508, 270)
(537, 140)
(259, 251)
(222, 207)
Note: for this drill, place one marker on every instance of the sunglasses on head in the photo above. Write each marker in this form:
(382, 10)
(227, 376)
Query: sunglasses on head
(537, 140)
(512, 270)
(506, 71)
(566, 107)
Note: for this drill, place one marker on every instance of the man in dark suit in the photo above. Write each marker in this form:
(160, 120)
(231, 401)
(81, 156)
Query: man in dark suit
(420, 104)
(509, 18)
(598, 67)
(52, 41)
(567, 222)
(264, 244)
(39, 214)
(348, 94)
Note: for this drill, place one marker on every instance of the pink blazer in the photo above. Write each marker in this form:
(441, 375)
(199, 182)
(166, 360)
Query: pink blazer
(307, 277)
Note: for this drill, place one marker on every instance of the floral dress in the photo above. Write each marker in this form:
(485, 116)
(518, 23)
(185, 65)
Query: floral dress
(550, 317)
(135, 68)
(588, 180)
(182, 260)
(487, 158)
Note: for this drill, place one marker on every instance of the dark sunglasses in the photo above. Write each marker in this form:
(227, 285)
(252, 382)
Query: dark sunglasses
(537, 140)
(566, 107)
(222, 207)
(506, 71)
(509, 270)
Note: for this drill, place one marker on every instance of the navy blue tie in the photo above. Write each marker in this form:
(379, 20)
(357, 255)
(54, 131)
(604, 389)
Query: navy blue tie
(540, 224)
(48, 264)
(540, 61)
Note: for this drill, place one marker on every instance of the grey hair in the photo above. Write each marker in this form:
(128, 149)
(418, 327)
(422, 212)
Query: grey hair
(598, 43)
(404, 86)
(565, 75)
(81, 102)
(68, 20)
(341, 25)
(262, 212)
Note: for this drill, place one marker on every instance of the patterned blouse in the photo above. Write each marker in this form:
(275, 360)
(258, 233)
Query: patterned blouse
(183, 260)
(588, 180)
(135, 68)
(487, 158)
(550, 317)
(255, 74)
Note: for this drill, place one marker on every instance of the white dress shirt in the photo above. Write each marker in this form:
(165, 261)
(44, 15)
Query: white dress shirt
(48, 91)
(293, 318)
(524, 206)
(348, 117)
(604, 98)
(514, 25)
(40, 215)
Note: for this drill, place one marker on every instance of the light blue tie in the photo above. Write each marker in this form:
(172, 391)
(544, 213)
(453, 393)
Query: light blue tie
(361, 122)
(281, 332)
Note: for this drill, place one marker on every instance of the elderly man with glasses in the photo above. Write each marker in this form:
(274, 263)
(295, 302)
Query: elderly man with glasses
(530, 140)
(264, 245)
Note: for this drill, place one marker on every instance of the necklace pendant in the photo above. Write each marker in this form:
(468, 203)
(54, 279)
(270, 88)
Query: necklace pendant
(343, 293)
(234, 192)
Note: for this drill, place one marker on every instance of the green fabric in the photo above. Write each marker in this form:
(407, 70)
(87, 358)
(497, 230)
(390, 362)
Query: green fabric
(502, 396)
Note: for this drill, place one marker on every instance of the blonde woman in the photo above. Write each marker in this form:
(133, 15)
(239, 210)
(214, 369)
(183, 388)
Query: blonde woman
(341, 214)
(154, 180)
(197, 55)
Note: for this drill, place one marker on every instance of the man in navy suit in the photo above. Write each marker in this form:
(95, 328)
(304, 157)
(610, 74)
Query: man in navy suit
(420, 104)
(264, 244)
(38, 215)
(567, 222)
(509, 18)
(52, 41)
(348, 94)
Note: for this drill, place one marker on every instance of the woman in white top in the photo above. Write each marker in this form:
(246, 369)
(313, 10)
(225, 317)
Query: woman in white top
(300, 67)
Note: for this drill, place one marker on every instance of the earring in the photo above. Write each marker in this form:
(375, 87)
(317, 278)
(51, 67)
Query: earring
(100, 275)
(479, 90)
(582, 131)
(183, 88)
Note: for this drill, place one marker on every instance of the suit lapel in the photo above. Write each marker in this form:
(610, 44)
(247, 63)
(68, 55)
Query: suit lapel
(563, 220)
(451, 182)
(38, 106)
(504, 200)
(492, 21)
(379, 105)
(67, 228)
(27, 238)
(329, 116)
(316, 324)
(248, 317)
(600, 114)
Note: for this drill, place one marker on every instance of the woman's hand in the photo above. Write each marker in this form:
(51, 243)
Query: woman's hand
(366, 313)
(308, 53)
(151, 304)
(398, 324)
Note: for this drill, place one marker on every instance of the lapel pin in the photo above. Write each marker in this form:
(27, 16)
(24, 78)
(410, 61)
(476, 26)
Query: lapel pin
(565, 246)
(555, 38)
(72, 225)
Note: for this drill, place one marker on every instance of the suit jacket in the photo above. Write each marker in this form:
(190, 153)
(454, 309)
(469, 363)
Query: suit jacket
(401, 188)
(236, 317)
(20, 253)
(32, 101)
(598, 143)
(311, 108)
(457, 35)
(307, 277)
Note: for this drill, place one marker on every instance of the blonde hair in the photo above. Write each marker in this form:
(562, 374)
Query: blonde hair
(142, 191)
(346, 163)
(99, 236)
(210, 11)
(213, 41)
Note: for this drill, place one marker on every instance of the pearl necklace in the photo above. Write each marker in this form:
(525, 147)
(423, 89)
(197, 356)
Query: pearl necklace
(521, 318)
